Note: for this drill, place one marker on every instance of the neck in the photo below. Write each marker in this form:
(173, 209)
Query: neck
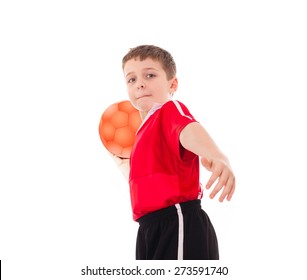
(143, 114)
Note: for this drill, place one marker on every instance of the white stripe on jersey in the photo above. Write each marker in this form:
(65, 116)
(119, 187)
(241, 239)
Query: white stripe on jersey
(180, 109)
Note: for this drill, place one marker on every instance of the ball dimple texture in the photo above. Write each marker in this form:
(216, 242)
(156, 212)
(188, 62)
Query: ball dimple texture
(108, 131)
(118, 126)
(134, 120)
(119, 119)
(124, 136)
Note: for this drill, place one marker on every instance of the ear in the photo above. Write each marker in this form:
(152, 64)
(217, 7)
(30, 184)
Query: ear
(173, 84)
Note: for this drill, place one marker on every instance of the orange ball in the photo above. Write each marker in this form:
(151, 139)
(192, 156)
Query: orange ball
(118, 126)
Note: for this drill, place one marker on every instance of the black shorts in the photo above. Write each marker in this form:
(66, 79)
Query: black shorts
(179, 232)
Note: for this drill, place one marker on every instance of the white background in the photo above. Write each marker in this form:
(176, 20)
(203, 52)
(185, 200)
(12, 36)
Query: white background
(242, 73)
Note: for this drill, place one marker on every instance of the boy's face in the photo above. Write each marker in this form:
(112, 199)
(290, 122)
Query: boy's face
(147, 84)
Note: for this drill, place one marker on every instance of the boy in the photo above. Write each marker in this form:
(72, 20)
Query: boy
(164, 164)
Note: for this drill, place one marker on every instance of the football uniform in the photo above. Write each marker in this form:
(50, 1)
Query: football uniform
(165, 190)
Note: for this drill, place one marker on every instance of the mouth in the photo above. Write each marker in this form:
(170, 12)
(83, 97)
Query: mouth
(145, 95)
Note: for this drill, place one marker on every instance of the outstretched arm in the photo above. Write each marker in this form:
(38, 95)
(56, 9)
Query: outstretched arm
(196, 139)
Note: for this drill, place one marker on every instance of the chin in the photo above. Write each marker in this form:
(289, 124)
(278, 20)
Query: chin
(143, 105)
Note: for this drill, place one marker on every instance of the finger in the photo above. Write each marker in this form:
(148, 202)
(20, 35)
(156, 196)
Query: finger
(229, 196)
(221, 182)
(206, 163)
(215, 174)
(227, 189)
(211, 181)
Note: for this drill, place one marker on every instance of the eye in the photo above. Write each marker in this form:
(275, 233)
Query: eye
(131, 80)
(149, 76)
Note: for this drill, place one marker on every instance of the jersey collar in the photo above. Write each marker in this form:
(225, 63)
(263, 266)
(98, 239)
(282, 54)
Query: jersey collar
(153, 109)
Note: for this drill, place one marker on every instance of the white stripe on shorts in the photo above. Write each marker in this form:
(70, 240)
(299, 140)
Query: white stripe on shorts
(180, 232)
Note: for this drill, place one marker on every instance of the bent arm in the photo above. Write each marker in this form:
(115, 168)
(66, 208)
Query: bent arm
(122, 164)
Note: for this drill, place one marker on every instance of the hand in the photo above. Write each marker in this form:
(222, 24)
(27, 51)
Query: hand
(119, 160)
(222, 171)
(123, 165)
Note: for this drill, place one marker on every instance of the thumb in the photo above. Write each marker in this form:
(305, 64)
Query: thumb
(206, 163)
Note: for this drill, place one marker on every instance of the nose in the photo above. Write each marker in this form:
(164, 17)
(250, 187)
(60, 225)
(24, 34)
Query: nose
(140, 84)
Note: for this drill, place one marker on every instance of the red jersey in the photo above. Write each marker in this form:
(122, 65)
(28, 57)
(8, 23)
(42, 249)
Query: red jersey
(162, 172)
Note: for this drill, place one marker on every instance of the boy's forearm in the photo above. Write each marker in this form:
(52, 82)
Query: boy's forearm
(197, 140)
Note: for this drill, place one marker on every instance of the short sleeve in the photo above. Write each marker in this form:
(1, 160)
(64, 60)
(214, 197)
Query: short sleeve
(174, 117)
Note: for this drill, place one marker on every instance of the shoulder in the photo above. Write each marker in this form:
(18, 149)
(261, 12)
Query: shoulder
(176, 107)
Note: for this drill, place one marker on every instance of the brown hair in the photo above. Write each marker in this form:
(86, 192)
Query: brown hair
(155, 53)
